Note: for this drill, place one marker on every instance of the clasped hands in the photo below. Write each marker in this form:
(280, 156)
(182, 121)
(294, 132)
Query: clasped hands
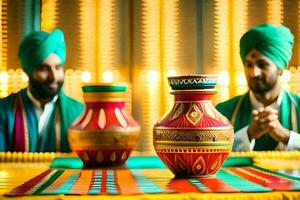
(265, 121)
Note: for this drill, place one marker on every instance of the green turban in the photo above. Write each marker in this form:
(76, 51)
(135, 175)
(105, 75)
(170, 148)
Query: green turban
(275, 42)
(37, 46)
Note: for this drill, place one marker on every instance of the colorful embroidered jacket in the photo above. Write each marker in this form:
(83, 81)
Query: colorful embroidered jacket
(19, 124)
(238, 111)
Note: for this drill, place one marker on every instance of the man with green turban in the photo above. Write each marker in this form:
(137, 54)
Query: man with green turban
(36, 118)
(266, 117)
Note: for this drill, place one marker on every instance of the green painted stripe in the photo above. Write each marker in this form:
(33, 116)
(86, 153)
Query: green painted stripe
(49, 181)
(145, 162)
(192, 86)
(65, 187)
(277, 173)
(240, 183)
(198, 184)
(237, 161)
(97, 182)
(104, 88)
(144, 183)
(294, 179)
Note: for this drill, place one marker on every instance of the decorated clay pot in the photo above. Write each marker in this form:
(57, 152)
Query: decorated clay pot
(193, 139)
(104, 134)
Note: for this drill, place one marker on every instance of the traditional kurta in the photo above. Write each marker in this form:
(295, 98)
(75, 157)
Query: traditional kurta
(19, 124)
(239, 111)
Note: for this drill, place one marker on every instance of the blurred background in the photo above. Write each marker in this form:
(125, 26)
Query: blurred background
(142, 42)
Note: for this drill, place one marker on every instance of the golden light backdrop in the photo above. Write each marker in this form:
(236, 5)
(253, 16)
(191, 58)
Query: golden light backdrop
(141, 42)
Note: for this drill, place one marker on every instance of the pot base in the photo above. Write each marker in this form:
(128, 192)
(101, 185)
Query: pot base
(197, 176)
(104, 157)
(200, 165)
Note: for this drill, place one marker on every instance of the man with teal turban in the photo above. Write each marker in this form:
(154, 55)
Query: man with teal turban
(36, 118)
(266, 117)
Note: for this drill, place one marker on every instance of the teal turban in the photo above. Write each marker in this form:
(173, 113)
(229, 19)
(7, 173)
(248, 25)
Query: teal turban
(37, 46)
(275, 42)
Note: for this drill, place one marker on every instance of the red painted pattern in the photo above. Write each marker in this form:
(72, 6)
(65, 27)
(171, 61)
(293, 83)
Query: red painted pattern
(267, 180)
(182, 185)
(273, 181)
(193, 96)
(110, 117)
(182, 121)
(216, 185)
(191, 164)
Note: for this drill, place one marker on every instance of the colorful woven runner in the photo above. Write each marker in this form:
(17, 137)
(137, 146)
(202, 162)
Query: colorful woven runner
(153, 181)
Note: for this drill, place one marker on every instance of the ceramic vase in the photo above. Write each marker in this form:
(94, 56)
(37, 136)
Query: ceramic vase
(193, 139)
(105, 134)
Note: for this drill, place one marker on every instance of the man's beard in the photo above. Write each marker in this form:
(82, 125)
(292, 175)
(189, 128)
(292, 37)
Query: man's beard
(261, 86)
(41, 92)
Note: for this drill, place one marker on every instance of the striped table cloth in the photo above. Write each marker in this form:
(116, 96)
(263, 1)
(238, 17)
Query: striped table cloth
(153, 181)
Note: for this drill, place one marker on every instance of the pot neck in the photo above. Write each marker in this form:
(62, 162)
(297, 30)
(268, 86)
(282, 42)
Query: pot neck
(193, 95)
(104, 99)
(105, 105)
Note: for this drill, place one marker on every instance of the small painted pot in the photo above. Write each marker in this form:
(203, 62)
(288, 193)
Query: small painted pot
(193, 139)
(105, 133)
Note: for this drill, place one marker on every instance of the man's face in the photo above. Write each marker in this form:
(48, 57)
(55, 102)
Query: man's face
(261, 72)
(47, 79)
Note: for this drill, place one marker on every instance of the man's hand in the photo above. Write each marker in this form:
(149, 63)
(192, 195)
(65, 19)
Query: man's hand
(279, 133)
(259, 125)
(265, 120)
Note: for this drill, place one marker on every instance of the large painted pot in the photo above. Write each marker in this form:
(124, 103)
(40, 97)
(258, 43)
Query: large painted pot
(193, 139)
(104, 135)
